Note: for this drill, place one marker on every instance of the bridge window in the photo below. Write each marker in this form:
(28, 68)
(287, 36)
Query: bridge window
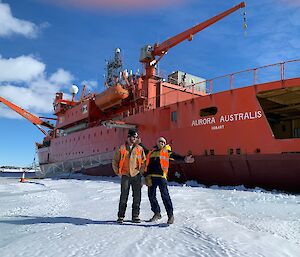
(208, 111)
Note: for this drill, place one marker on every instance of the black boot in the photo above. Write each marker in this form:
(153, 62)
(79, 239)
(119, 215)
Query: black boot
(170, 219)
(120, 220)
(155, 217)
(136, 219)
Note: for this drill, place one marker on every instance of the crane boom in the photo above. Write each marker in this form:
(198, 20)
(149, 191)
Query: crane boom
(161, 49)
(27, 115)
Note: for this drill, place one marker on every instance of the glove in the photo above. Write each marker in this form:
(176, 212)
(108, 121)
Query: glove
(148, 181)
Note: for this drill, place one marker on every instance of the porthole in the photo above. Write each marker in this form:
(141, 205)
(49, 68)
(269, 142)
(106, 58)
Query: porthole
(230, 151)
(174, 116)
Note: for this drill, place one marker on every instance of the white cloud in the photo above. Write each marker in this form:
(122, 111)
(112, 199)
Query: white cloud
(28, 98)
(34, 92)
(91, 85)
(5, 112)
(61, 76)
(23, 68)
(10, 25)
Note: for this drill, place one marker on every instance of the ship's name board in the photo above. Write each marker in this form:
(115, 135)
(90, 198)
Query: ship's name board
(227, 118)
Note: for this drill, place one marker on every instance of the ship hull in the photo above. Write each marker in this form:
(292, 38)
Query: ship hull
(248, 136)
(268, 171)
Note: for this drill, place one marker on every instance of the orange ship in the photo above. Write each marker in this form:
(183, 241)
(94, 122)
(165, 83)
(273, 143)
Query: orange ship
(242, 136)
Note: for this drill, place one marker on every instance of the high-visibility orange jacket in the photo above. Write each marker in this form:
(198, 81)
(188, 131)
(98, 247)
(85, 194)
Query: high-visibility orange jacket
(129, 163)
(162, 170)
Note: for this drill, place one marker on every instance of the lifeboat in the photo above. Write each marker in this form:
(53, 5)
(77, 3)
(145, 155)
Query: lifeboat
(111, 97)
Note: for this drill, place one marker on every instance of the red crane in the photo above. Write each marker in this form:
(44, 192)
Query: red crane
(149, 54)
(27, 115)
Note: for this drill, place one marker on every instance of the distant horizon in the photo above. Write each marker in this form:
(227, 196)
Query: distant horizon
(15, 167)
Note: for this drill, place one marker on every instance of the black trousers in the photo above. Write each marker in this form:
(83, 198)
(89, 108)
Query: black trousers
(136, 185)
(161, 183)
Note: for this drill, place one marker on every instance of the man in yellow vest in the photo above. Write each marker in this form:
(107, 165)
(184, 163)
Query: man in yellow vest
(128, 163)
(156, 172)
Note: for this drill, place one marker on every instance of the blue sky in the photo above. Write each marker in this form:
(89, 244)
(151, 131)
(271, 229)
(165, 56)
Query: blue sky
(45, 46)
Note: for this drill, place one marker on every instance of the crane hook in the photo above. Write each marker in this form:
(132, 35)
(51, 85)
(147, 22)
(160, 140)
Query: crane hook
(245, 23)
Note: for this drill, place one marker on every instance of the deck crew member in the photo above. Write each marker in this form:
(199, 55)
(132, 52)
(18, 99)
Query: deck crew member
(129, 163)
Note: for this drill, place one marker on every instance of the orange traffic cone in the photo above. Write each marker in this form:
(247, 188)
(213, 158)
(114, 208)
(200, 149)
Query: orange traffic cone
(22, 180)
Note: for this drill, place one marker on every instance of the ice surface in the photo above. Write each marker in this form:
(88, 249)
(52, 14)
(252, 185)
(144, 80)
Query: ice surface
(76, 217)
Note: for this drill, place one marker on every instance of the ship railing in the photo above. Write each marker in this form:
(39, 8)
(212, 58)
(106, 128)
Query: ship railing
(76, 165)
(268, 73)
(273, 72)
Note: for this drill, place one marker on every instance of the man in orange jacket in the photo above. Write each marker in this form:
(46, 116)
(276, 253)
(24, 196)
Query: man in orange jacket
(128, 163)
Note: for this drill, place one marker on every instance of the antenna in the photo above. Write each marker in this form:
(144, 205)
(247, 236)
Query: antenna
(114, 68)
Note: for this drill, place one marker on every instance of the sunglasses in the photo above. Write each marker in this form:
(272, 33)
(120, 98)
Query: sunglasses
(162, 142)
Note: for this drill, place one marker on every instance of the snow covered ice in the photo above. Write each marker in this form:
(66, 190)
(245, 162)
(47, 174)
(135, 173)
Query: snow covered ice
(76, 217)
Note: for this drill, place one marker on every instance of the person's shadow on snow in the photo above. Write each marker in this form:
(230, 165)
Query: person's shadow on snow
(31, 220)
